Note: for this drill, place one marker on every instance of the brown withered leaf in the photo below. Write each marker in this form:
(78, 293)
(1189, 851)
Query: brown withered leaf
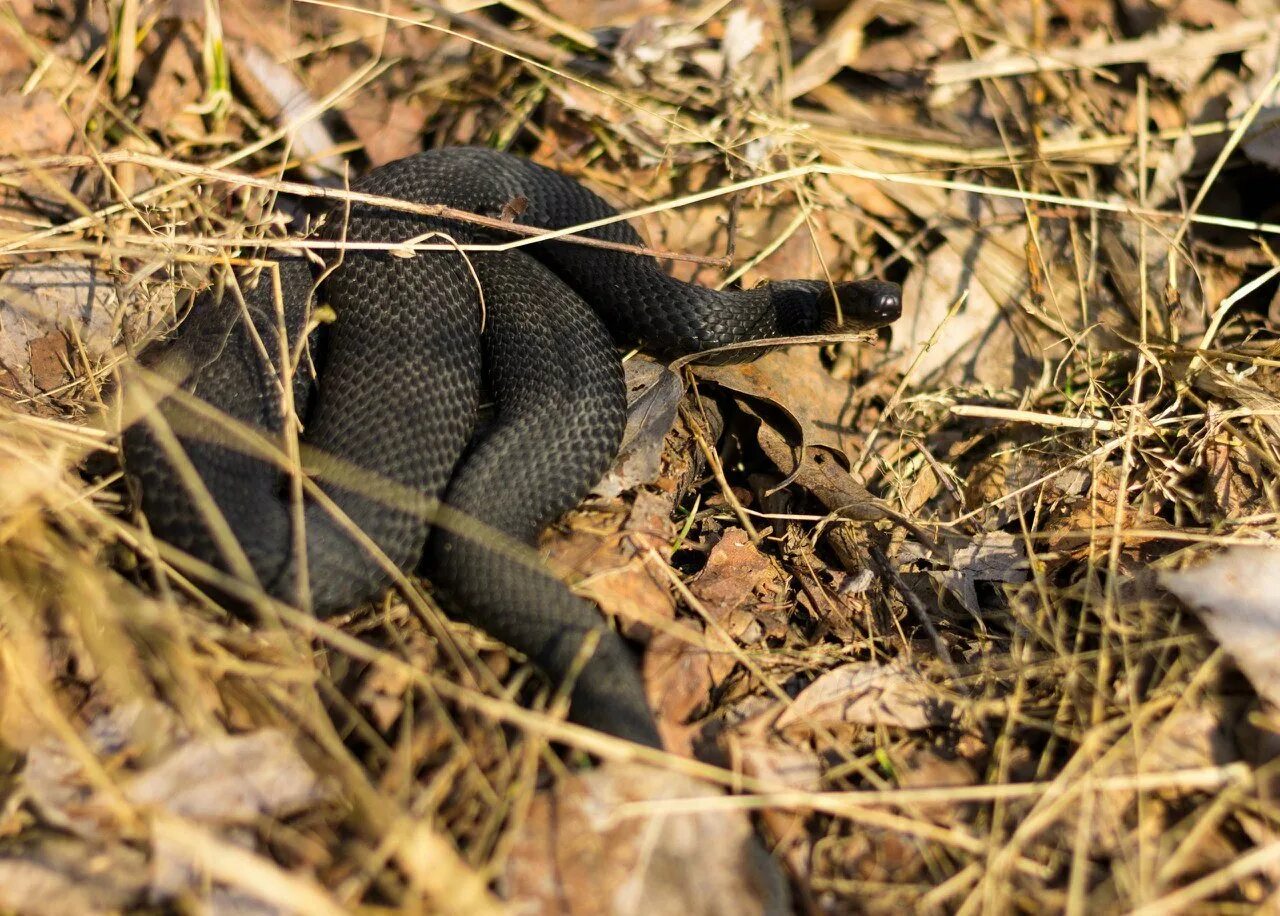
(34, 124)
(54, 778)
(577, 852)
(608, 552)
(390, 129)
(594, 15)
(230, 779)
(1235, 595)
(678, 675)
(169, 79)
(929, 768)
(995, 337)
(737, 577)
(806, 252)
(820, 471)
(223, 779)
(822, 408)
(653, 401)
(993, 556)
(60, 875)
(868, 694)
(40, 304)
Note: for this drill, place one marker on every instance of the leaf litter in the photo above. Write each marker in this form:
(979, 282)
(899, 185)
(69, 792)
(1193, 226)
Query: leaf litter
(974, 616)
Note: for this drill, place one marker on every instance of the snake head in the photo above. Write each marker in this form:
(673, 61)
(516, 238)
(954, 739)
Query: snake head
(859, 305)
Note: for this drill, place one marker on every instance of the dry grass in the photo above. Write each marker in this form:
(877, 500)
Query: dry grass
(1104, 408)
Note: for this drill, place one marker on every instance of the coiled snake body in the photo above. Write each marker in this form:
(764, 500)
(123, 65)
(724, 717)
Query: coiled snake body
(388, 395)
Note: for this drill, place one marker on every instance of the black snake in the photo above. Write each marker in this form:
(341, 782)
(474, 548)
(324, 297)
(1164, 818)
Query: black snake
(388, 395)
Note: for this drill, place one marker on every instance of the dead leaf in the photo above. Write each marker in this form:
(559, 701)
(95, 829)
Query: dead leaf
(995, 337)
(776, 764)
(169, 79)
(1186, 740)
(277, 92)
(653, 401)
(34, 124)
(678, 678)
(735, 580)
(576, 853)
(821, 473)
(229, 779)
(1234, 593)
(822, 407)
(841, 43)
(927, 768)
(868, 694)
(63, 294)
(595, 14)
(993, 556)
(743, 33)
(55, 781)
(61, 876)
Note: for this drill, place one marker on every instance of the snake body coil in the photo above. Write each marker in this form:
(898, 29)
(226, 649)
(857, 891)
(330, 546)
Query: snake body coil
(388, 395)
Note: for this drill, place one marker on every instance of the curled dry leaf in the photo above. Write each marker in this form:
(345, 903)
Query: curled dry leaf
(869, 694)
(653, 400)
(994, 556)
(794, 380)
(580, 851)
(1235, 595)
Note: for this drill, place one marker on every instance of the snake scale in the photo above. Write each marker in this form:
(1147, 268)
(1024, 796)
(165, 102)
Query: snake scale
(388, 394)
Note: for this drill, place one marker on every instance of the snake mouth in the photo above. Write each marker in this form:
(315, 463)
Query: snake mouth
(860, 305)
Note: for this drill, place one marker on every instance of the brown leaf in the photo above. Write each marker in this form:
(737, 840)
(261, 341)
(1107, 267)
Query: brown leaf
(737, 577)
(169, 79)
(34, 124)
(608, 559)
(595, 14)
(1235, 595)
(994, 556)
(230, 779)
(61, 876)
(48, 361)
(926, 768)
(821, 473)
(868, 694)
(40, 302)
(653, 399)
(578, 853)
(678, 678)
(987, 340)
(822, 408)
